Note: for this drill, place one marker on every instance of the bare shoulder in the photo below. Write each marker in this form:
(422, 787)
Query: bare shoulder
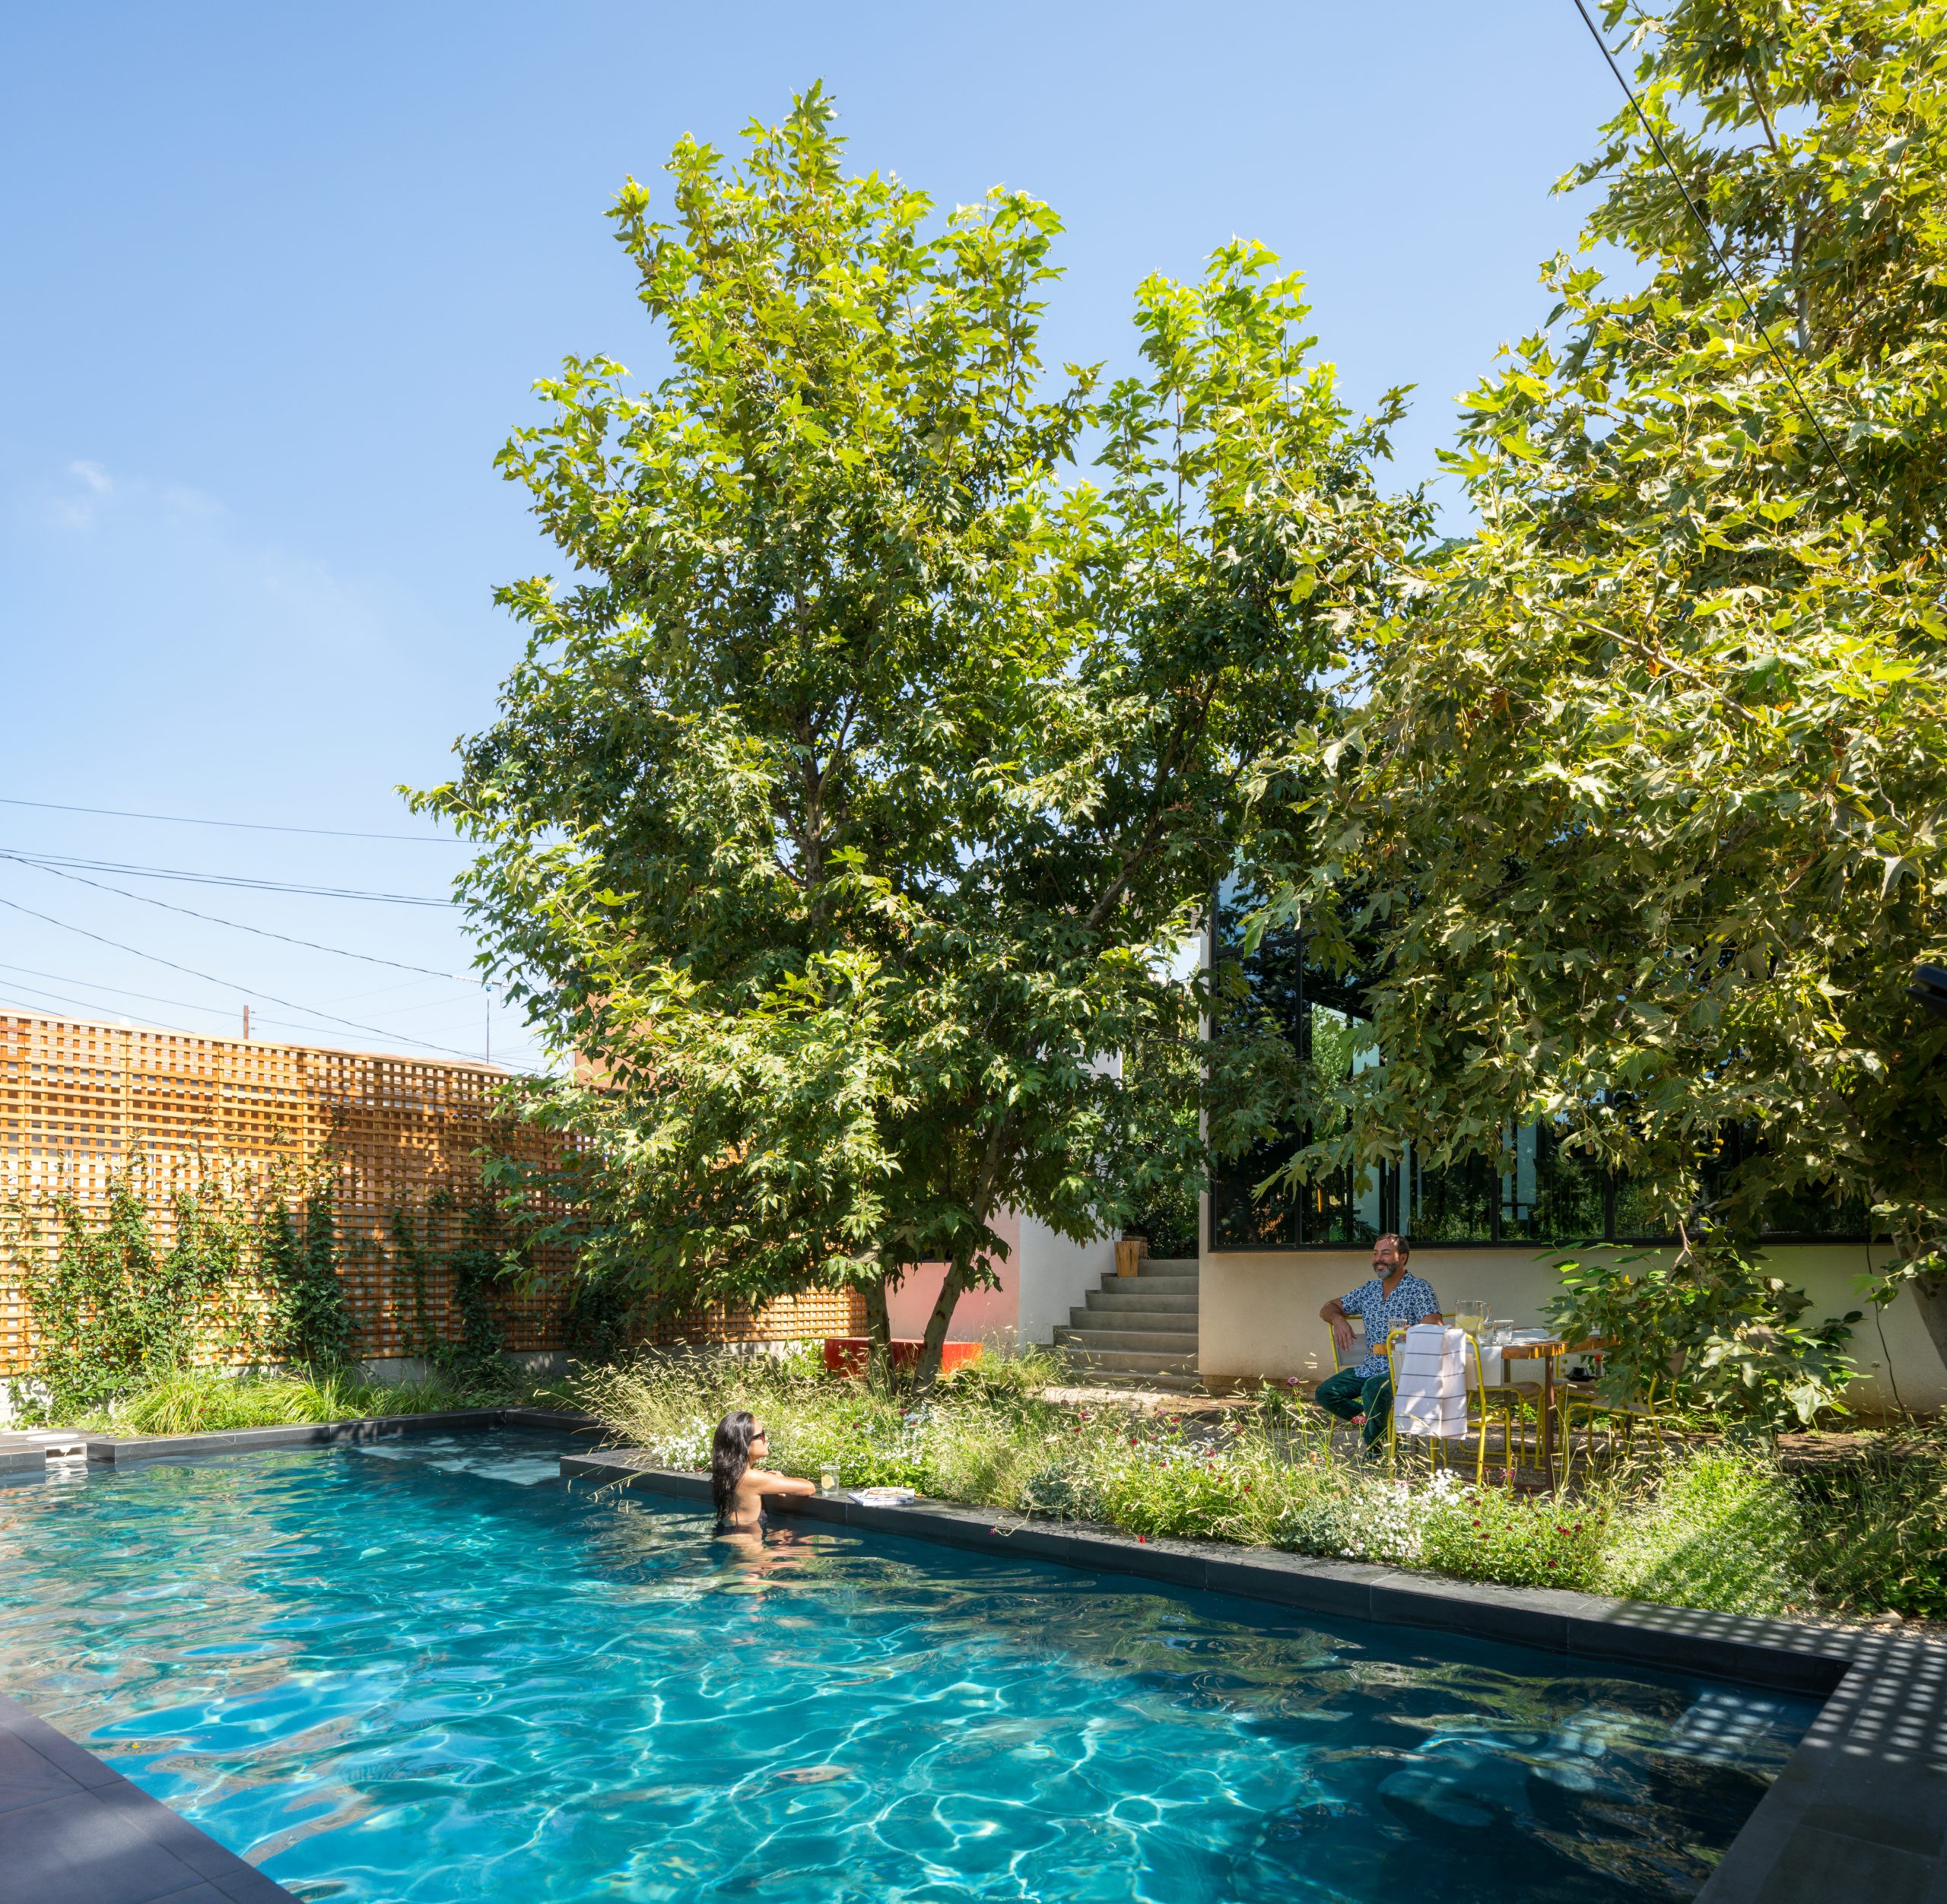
(761, 1480)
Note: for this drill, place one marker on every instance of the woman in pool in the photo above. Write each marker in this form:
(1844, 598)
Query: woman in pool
(736, 1486)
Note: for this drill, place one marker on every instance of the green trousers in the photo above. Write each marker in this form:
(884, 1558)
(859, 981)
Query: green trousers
(1347, 1395)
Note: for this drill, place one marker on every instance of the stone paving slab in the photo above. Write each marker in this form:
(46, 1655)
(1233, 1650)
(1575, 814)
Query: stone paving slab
(74, 1831)
(1860, 1811)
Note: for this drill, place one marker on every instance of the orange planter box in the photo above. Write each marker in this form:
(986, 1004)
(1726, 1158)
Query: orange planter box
(848, 1355)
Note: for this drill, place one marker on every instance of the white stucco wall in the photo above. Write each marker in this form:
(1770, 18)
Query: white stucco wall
(1055, 1274)
(1258, 1313)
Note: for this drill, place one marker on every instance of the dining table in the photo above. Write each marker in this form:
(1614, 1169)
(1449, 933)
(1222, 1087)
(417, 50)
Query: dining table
(1548, 1350)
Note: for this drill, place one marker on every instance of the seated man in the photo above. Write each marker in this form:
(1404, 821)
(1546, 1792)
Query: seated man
(1391, 1299)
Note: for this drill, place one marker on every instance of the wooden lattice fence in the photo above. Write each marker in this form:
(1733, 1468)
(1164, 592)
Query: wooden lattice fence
(82, 1100)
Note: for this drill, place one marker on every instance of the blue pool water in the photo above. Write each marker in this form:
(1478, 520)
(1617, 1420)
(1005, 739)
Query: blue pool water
(430, 1671)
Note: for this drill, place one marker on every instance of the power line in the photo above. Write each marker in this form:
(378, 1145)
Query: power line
(15, 987)
(262, 932)
(1717, 252)
(126, 991)
(90, 985)
(54, 860)
(248, 826)
(250, 991)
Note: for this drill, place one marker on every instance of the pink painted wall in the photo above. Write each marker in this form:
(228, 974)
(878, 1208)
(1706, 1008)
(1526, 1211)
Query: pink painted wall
(979, 1312)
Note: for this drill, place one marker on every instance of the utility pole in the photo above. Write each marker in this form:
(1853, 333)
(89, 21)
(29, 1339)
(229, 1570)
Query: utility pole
(246, 1024)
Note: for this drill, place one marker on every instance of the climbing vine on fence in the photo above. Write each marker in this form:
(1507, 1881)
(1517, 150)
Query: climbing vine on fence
(486, 1252)
(111, 1309)
(253, 1274)
(297, 1254)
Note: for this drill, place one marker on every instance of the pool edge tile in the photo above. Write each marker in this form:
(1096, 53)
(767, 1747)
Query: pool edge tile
(1487, 1611)
(103, 1840)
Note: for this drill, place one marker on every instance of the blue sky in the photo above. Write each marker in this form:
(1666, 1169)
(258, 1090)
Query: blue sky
(280, 278)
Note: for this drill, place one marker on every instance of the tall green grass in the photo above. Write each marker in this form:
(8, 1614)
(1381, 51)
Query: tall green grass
(1875, 1529)
(192, 1401)
(1719, 1529)
(987, 1437)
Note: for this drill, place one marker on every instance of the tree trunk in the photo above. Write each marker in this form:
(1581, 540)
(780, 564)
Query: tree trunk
(1930, 1293)
(934, 1343)
(879, 1332)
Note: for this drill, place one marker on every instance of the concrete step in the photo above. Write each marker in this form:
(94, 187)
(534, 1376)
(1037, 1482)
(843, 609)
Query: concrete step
(1145, 1361)
(1153, 1321)
(1171, 1265)
(1152, 1285)
(1114, 1301)
(1172, 1342)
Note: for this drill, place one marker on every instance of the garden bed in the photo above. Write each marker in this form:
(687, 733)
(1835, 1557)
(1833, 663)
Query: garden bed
(1719, 1525)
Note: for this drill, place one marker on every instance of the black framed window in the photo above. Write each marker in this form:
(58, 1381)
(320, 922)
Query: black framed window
(1550, 1193)
(1322, 1014)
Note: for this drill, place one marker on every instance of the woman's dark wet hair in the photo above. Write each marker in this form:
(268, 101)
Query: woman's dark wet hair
(729, 1456)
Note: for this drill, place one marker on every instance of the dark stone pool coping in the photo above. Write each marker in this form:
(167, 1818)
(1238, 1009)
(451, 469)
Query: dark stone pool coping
(1859, 1812)
(116, 1450)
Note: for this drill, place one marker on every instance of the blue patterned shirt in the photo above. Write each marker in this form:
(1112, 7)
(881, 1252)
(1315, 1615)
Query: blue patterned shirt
(1412, 1300)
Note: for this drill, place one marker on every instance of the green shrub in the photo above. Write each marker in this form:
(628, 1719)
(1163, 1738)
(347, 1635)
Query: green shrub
(1721, 1531)
(1875, 1528)
(1491, 1533)
(1712, 1332)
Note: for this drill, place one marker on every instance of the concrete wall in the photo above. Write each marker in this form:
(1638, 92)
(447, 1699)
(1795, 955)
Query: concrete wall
(1055, 1274)
(980, 1313)
(1257, 1313)
(1044, 1277)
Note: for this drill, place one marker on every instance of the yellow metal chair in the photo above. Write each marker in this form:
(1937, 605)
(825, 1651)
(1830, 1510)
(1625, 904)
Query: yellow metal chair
(1616, 1421)
(1500, 1401)
(1485, 1406)
(1438, 1450)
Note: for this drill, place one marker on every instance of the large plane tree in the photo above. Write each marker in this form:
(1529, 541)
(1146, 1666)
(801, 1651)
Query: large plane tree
(869, 764)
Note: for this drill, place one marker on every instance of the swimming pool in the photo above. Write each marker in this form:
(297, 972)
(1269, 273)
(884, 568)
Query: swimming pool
(427, 1670)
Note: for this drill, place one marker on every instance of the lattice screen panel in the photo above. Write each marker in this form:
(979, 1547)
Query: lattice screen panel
(79, 1101)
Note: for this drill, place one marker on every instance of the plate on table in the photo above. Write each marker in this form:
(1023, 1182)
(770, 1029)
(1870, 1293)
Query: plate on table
(883, 1496)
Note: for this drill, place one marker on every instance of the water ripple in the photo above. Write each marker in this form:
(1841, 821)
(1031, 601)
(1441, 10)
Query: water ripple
(429, 1673)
